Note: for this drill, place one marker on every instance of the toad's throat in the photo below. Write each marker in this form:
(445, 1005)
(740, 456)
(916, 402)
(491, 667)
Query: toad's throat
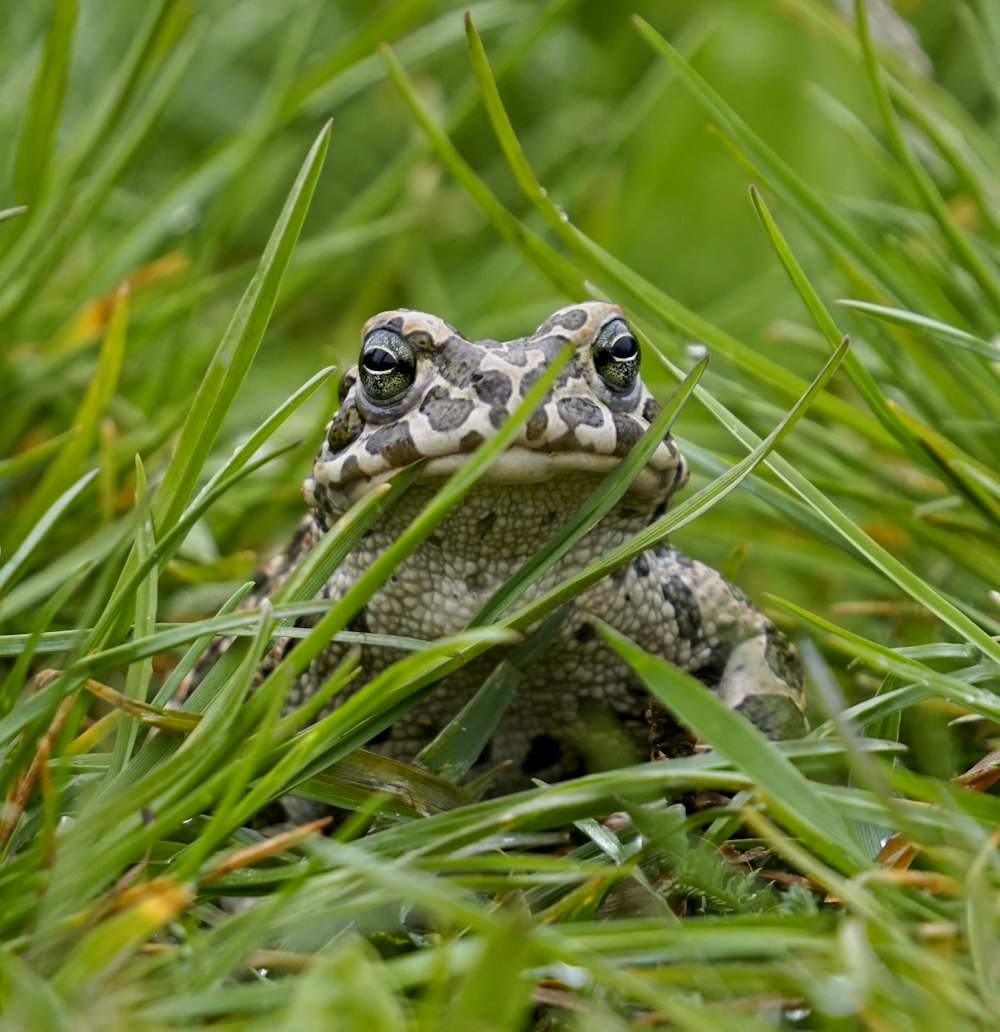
(496, 526)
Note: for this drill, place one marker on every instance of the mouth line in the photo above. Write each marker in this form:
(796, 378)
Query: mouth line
(520, 465)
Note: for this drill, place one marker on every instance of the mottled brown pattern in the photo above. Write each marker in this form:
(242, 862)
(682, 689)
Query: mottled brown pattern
(452, 394)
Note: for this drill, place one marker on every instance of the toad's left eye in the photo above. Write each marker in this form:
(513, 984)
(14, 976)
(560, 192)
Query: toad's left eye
(387, 366)
(616, 356)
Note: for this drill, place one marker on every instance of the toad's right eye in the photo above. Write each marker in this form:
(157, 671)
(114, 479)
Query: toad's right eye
(387, 366)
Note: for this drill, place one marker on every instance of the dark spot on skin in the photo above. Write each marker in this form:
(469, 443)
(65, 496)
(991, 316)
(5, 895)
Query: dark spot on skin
(498, 415)
(420, 340)
(344, 429)
(544, 752)
(394, 324)
(394, 444)
(535, 428)
(471, 441)
(549, 345)
(641, 565)
(572, 318)
(321, 493)
(627, 432)
(710, 674)
(547, 327)
(650, 409)
(513, 353)
(566, 374)
(687, 614)
(349, 469)
(444, 412)
(579, 411)
(492, 386)
(782, 659)
(528, 381)
(584, 633)
(347, 381)
(776, 716)
(457, 361)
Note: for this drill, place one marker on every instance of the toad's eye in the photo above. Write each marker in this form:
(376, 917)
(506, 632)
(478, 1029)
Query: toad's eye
(616, 356)
(387, 366)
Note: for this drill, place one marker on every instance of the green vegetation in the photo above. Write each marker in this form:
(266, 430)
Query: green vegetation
(186, 243)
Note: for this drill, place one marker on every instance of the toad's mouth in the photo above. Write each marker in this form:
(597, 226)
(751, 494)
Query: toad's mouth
(665, 472)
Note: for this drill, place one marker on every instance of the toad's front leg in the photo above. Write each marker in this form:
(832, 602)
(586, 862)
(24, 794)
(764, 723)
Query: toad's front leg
(689, 614)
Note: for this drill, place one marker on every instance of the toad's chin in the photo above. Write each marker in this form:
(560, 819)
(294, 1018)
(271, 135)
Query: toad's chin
(516, 465)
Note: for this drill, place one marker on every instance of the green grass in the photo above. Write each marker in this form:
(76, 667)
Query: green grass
(187, 245)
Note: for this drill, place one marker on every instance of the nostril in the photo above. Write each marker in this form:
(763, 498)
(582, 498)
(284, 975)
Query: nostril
(477, 378)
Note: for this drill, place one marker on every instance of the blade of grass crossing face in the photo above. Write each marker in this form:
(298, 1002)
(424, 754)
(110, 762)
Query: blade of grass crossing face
(447, 496)
(684, 513)
(789, 792)
(608, 493)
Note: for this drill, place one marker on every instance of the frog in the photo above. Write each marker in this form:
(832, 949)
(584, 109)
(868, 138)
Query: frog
(421, 392)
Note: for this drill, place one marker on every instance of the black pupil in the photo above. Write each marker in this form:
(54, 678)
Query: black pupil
(624, 347)
(378, 360)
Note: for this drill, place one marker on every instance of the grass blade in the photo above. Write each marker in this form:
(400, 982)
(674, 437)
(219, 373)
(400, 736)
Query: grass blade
(34, 153)
(238, 346)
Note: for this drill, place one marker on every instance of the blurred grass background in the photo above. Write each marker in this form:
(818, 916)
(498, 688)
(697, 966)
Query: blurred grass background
(161, 160)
